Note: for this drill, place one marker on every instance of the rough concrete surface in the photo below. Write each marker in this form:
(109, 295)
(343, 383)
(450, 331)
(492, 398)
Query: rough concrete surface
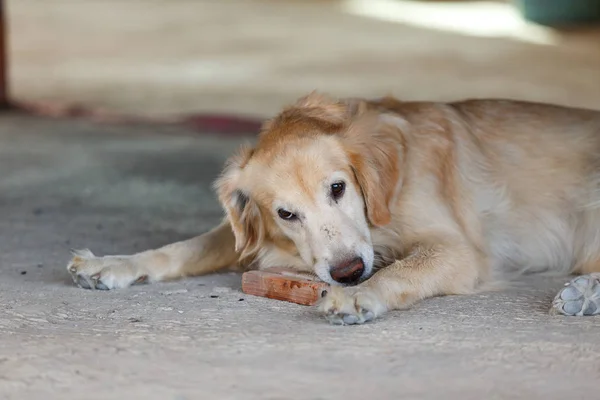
(120, 189)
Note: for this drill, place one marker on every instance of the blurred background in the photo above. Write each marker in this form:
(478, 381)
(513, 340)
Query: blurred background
(250, 57)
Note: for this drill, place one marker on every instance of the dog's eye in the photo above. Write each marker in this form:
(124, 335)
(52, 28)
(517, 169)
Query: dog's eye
(284, 214)
(337, 190)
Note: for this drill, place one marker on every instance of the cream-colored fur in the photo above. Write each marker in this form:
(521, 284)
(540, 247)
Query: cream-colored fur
(440, 198)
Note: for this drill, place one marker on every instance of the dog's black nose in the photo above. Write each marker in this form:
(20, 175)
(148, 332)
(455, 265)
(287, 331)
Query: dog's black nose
(348, 272)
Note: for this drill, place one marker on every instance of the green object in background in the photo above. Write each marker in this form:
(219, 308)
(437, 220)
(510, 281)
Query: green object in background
(560, 12)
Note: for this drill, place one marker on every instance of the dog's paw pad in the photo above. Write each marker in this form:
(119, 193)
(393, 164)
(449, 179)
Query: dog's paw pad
(580, 296)
(101, 286)
(349, 319)
(358, 318)
(86, 281)
(83, 282)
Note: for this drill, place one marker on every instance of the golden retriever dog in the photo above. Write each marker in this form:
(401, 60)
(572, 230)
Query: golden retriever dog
(393, 202)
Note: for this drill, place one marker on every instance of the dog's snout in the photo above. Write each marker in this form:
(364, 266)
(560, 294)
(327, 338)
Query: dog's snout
(348, 272)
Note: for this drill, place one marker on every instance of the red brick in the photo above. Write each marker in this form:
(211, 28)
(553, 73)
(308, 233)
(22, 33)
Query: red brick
(283, 284)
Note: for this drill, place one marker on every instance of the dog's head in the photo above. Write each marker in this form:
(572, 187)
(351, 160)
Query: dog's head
(322, 175)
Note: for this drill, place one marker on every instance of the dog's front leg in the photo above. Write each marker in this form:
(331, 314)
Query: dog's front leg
(430, 270)
(210, 252)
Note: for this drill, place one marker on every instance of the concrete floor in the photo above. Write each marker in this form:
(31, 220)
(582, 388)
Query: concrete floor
(120, 189)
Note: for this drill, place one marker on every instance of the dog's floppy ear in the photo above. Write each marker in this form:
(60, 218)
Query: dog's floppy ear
(242, 212)
(374, 144)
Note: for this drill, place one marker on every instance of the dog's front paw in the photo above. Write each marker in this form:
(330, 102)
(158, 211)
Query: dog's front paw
(350, 305)
(103, 273)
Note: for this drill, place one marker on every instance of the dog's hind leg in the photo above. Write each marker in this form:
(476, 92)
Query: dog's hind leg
(210, 252)
(580, 296)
